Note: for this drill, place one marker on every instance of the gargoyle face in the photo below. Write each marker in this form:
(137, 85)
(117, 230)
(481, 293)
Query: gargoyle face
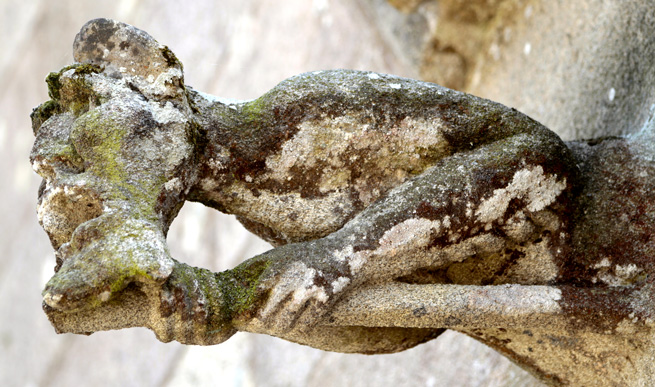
(109, 145)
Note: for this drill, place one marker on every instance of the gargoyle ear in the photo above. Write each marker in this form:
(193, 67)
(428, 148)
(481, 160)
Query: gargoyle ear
(125, 51)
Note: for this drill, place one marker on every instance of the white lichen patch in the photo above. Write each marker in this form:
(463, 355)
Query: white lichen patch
(337, 145)
(339, 284)
(529, 184)
(173, 185)
(167, 113)
(621, 275)
(408, 234)
(304, 293)
(358, 261)
(605, 262)
(320, 141)
(343, 254)
(421, 132)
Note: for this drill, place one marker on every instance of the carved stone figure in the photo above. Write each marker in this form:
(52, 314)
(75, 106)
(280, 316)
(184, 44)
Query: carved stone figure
(397, 208)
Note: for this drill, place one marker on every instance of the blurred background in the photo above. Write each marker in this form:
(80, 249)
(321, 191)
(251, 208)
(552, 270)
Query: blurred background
(570, 78)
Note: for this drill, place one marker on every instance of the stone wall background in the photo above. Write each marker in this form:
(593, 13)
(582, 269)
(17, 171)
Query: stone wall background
(582, 68)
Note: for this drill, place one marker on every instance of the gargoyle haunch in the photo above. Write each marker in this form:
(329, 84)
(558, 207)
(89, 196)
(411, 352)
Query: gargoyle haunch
(357, 178)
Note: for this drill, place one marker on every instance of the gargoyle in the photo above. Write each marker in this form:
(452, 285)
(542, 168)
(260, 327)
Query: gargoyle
(397, 208)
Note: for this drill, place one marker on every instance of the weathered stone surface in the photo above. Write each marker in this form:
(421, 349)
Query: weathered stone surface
(257, 146)
(363, 180)
(235, 52)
